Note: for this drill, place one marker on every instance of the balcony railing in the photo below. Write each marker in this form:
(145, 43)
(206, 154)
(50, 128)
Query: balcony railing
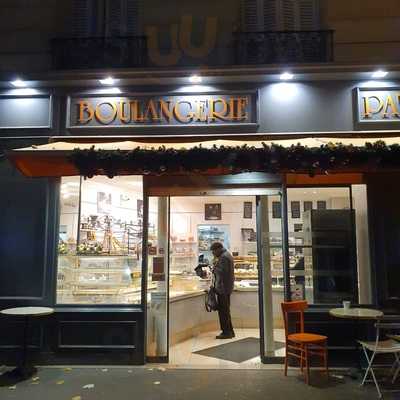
(247, 48)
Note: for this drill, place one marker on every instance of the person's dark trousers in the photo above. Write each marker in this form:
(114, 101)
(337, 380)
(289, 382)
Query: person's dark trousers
(224, 312)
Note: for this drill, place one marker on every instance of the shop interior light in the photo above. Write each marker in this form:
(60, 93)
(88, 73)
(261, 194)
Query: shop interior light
(286, 76)
(379, 74)
(18, 83)
(107, 81)
(195, 79)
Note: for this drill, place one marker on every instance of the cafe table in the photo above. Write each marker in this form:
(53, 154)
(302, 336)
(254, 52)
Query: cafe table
(356, 314)
(25, 369)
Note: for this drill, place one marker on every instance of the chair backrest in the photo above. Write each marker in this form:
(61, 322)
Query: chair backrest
(296, 310)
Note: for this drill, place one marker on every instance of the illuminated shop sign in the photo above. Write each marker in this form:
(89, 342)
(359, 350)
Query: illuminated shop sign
(378, 105)
(172, 110)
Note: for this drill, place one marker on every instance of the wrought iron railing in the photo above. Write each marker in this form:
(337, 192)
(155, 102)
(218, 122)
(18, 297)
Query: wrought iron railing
(248, 48)
(283, 47)
(99, 52)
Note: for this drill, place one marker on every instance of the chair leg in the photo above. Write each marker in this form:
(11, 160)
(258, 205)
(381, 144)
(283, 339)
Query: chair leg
(370, 369)
(286, 362)
(396, 372)
(307, 365)
(301, 358)
(326, 360)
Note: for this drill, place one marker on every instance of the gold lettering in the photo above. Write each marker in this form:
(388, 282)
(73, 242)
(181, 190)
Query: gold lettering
(390, 103)
(121, 113)
(105, 119)
(177, 113)
(368, 108)
(200, 114)
(214, 114)
(243, 102)
(151, 110)
(134, 107)
(165, 109)
(86, 112)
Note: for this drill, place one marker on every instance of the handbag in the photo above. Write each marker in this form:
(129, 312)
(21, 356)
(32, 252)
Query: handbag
(211, 302)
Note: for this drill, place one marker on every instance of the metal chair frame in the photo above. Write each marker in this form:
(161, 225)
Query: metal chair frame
(388, 346)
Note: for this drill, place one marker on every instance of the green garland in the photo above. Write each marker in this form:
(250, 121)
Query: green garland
(269, 158)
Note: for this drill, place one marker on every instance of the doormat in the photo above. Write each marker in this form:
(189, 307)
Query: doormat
(237, 351)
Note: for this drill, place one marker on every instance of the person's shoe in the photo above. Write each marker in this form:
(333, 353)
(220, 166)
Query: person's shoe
(233, 334)
(224, 335)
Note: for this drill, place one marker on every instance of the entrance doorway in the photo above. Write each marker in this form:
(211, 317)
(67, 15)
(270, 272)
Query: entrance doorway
(181, 230)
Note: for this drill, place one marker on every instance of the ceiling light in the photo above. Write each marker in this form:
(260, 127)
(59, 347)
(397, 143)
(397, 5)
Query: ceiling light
(107, 81)
(18, 83)
(286, 76)
(195, 79)
(379, 74)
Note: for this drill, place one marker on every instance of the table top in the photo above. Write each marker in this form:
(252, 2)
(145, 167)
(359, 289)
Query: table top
(28, 311)
(356, 313)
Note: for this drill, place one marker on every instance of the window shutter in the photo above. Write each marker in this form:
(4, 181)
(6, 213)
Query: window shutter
(133, 8)
(81, 18)
(252, 15)
(288, 15)
(308, 12)
(114, 18)
(270, 12)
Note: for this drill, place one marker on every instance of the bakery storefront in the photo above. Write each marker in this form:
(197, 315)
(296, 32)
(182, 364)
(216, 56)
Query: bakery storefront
(110, 201)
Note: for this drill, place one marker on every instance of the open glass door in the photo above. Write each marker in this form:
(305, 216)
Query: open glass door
(271, 264)
(157, 279)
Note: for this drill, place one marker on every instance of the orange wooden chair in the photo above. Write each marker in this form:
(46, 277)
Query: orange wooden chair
(299, 344)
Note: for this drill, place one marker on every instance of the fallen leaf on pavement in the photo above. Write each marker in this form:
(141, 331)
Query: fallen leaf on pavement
(76, 398)
(157, 382)
(130, 371)
(35, 378)
(104, 370)
(88, 386)
(60, 382)
(12, 387)
(67, 369)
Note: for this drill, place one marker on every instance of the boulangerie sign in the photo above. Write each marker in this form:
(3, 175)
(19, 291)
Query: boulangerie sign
(166, 110)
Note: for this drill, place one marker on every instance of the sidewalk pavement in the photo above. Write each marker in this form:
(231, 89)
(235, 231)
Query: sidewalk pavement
(159, 382)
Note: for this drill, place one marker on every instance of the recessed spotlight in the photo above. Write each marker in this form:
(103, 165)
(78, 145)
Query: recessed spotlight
(107, 81)
(379, 74)
(18, 83)
(286, 76)
(195, 79)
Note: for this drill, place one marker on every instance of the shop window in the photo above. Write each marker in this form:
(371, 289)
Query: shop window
(100, 237)
(325, 253)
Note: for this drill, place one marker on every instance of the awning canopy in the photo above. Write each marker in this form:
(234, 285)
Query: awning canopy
(61, 158)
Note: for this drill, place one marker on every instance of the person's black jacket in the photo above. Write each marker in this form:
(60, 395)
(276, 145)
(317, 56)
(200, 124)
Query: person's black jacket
(224, 273)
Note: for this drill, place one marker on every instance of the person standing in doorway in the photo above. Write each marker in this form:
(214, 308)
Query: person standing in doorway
(224, 277)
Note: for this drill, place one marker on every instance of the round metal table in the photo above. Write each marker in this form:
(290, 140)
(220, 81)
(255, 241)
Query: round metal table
(357, 314)
(25, 369)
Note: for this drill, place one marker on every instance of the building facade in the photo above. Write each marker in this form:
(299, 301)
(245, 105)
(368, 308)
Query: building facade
(104, 252)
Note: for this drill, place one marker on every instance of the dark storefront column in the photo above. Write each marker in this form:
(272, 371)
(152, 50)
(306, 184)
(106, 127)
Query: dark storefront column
(384, 225)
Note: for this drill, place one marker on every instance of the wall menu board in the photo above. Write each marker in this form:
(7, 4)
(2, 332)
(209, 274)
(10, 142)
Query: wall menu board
(119, 111)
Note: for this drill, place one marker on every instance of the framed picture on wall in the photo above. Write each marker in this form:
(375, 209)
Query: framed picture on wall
(212, 211)
(276, 209)
(307, 205)
(295, 207)
(321, 205)
(248, 209)
(103, 203)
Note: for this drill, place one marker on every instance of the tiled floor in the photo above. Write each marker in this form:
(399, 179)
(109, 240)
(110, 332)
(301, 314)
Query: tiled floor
(183, 354)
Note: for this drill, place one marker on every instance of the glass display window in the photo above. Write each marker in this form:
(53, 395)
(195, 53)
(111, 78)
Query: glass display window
(100, 240)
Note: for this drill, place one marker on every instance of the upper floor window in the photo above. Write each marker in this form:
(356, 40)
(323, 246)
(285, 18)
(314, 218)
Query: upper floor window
(106, 17)
(280, 15)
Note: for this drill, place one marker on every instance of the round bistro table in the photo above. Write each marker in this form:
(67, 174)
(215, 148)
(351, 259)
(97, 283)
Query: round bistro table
(357, 314)
(25, 369)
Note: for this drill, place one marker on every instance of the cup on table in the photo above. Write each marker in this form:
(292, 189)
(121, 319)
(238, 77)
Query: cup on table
(346, 304)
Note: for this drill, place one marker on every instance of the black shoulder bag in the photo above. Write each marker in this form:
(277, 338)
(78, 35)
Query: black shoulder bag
(211, 302)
